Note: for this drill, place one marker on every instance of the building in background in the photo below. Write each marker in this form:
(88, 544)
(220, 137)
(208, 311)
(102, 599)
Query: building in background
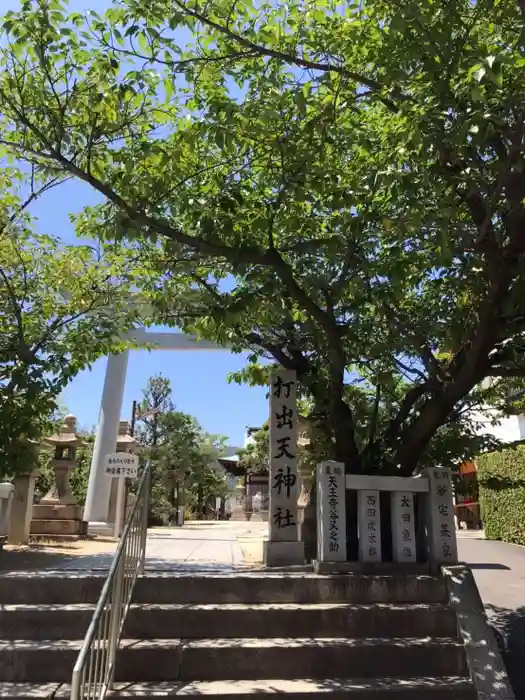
(507, 430)
(250, 498)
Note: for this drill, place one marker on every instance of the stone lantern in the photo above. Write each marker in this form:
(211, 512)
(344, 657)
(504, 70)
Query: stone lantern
(65, 444)
(125, 441)
(58, 515)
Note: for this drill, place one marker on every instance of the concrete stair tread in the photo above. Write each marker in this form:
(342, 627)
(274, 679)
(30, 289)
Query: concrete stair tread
(255, 688)
(29, 690)
(232, 607)
(48, 607)
(295, 642)
(295, 686)
(235, 643)
(225, 587)
(242, 574)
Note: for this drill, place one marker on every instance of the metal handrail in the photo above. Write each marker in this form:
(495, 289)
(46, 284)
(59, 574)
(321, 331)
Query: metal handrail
(94, 670)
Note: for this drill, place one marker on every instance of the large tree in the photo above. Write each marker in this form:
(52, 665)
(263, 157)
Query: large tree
(337, 185)
(184, 457)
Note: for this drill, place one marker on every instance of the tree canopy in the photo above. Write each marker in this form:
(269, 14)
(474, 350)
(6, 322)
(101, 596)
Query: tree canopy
(337, 185)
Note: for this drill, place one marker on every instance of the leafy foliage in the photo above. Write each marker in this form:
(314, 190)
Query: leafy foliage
(338, 186)
(61, 307)
(254, 457)
(184, 458)
(502, 494)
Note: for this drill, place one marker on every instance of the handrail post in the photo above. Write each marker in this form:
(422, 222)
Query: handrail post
(98, 655)
(145, 506)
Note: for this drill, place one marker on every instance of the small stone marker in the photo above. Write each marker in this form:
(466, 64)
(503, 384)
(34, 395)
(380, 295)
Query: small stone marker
(441, 531)
(403, 527)
(283, 546)
(331, 512)
(369, 526)
(121, 464)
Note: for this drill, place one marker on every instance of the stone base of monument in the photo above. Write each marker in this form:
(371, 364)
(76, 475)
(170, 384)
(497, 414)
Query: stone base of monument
(57, 521)
(283, 553)
(372, 568)
(101, 529)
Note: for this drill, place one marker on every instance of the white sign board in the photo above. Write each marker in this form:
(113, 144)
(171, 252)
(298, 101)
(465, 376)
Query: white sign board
(121, 464)
(331, 512)
(284, 484)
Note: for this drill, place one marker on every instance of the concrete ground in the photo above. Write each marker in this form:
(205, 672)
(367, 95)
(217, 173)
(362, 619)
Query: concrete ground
(198, 545)
(499, 570)
(204, 545)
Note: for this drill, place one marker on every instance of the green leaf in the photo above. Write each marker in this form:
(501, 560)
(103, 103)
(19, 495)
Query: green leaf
(479, 74)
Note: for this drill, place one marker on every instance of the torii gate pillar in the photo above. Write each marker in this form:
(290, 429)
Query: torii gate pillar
(96, 510)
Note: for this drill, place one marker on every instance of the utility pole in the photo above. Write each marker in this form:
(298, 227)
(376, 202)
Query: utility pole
(133, 418)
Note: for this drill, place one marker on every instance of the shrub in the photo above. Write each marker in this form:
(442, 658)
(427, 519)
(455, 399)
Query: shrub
(502, 494)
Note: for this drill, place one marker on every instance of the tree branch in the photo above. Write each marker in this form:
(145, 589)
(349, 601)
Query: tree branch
(374, 418)
(394, 426)
(289, 58)
(506, 372)
(287, 361)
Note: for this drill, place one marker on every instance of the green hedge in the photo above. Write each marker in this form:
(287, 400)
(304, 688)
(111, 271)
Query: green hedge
(502, 494)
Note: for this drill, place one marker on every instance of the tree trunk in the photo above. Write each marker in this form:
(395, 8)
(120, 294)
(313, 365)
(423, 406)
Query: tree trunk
(466, 372)
(342, 420)
(200, 507)
(310, 525)
(342, 423)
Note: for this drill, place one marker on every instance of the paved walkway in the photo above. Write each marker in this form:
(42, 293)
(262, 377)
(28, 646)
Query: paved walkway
(197, 546)
(499, 570)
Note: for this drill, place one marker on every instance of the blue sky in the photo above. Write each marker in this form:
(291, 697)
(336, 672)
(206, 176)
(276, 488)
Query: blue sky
(198, 378)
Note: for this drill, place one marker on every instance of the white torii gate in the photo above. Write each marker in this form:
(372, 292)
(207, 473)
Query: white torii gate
(96, 511)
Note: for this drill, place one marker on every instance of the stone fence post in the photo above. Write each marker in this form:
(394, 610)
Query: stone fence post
(22, 507)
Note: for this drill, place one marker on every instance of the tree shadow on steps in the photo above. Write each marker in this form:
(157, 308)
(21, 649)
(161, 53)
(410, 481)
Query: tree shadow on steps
(509, 627)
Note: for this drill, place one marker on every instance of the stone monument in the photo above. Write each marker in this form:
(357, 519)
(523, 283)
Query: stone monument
(284, 546)
(331, 512)
(22, 501)
(58, 516)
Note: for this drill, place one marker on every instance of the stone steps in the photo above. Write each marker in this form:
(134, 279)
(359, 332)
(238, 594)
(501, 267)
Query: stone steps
(67, 587)
(217, 659)
(251, 634)
(235, 620)
(449, 688)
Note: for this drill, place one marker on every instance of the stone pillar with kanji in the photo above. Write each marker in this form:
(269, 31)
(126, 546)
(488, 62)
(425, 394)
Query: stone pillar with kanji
(439, 517)
(283, 547)
(331, 512)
